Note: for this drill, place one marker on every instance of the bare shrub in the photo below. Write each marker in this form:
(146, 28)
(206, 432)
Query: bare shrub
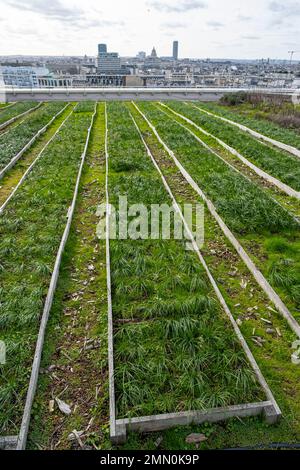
(288, 120)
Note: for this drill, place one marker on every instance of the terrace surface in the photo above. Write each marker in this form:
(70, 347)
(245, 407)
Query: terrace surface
(179, 328)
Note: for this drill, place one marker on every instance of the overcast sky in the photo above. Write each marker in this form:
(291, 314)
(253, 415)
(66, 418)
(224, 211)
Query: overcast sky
(204, 28)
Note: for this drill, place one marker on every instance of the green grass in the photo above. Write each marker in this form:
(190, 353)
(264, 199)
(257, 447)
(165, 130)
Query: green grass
(277, 163)
(249, 305)
(31, 228)
(13, 111)
(12, 142)
(243, 205)
(234, 433)
(174, 348)
(85, 107)
(13, 176)
(291, 204)
(247, 210)
(257, 119)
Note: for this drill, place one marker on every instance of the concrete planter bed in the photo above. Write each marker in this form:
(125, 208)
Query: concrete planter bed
(238, 223)
(29, 144)
(145, 332)
(15, 111)
(286, 139)
(155, 360)
(43, 270)
(274, 161)
(15, 143)
(270, 179)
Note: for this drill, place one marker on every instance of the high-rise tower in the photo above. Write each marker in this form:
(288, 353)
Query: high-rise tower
(108, 62)
(102, 49)
(175, 50)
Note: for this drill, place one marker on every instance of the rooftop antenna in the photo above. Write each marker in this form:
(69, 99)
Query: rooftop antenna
(291, 56)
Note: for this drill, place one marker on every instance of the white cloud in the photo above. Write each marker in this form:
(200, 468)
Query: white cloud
(54, 9)
(215, 24)
(177, 7)
(173, 25)
(244, 18)
(250, 37)
(283, 12)
(285, 8)
(204, 28)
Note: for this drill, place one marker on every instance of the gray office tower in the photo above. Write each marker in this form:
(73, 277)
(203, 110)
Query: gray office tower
(175, 50)
(108, 62)
(102, 49)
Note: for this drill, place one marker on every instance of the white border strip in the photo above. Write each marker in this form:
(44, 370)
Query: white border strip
(22, 438)
(112, 403)
(35, 161)
(10, 121)
(186, 418)
(14, 160)
(218, 293)
(277, 143)
(266, 176)
(261, 280)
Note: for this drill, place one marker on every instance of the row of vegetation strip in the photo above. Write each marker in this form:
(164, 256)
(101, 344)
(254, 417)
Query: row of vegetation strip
(75, 351)
(275, 162)
(15, 140)
(31, 228)
(268, 128)
(269, 340)
(14, 178)
(8, 113)
(5, 105)
(174, 349)
(281, 192)
(291, 150)
(85, 107)
(22, 440)
(273, 296)
(264, 228)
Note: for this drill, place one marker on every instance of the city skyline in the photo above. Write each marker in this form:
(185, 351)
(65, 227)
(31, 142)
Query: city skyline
(211, 28)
